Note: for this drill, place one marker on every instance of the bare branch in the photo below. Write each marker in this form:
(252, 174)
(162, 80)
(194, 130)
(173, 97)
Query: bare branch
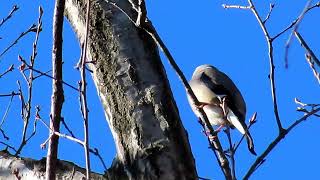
(311, 63)
(57, 90)
(11, 94)
(8, 146)
(94, 151)
(271, 64)
(6, 115)
(43, 74)
(273, 144)
(26, 107)
(35, 43)
(13, 10)
(231, 152)
(269, 13)
(295, 28)
(29, 67)
(235, 6)
(83, 93)
(71, 138)
(303, 107)
(294, 22)
(282, 131)
(11, 68)
(310, 56)
(67, 127)
(32, 28)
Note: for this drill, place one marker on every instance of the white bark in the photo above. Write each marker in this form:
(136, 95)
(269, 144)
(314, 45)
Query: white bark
(13, 168)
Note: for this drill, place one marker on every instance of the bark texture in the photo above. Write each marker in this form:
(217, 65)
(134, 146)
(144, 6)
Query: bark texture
(13, 168)
(131, 82)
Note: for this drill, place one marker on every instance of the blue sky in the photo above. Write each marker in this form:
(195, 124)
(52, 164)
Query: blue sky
(196, 33)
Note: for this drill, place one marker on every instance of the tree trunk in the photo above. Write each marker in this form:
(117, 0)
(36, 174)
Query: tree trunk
(150, 140)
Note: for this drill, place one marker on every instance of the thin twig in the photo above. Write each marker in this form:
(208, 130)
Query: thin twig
(310, 57)
(53, 78)
(8, 146)
(307, 111)
(311, 64)
(83, 93)
(5, 116)
(32, 28)
(43, 74)
(294, 22)
(26, 108)
(282, 132)
(4, 134)
(297, 101)
(303, 107)
(231, 152)
(29, 67)
(271, 64)
(13, 10)
(202, 178)
(71, 138)
(273, 144)
(96, 152)
(11, 68)
(66, 127)
(35, 42)
(22, 113)
(295, 28)
(12, 93)
(269, 13)
(33, 132)
(235, 6)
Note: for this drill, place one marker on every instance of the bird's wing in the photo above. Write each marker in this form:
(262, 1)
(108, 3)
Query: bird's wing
(234, 120)
(221, 84)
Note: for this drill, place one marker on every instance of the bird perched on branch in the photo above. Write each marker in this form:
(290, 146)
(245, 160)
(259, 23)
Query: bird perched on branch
(220, 99)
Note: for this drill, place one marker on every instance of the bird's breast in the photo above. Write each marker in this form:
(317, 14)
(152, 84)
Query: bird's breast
(215, 115)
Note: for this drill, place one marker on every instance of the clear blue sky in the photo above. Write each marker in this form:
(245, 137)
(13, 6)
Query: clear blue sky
(196, 33)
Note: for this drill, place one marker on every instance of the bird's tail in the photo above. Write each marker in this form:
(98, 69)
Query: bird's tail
(250, 143)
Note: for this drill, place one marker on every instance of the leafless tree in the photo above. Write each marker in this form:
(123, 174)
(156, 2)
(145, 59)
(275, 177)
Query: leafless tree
(120, 50)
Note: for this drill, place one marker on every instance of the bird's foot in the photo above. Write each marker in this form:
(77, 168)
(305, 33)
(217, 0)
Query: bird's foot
(219, 128)
(210, 136)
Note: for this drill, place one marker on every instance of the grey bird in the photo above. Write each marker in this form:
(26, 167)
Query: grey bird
(212, 87)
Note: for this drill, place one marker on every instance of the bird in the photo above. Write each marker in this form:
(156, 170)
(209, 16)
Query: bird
(220, 99)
